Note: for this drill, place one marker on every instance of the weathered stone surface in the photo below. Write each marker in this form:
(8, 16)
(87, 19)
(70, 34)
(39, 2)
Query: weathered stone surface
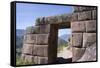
(91, 26)
(27, 49)
(30, 30)
(78, 26)
(83, 8)
(27, 58)
(42, 39)
(66, 17)
(77, 39)
(40, 21)
(54, 19)
(76, 8)
(35, 59)
(94, 14)
(74, 17)
(90, 54)
(30, 38)
(77, 53)
(43, 29)
(42, 60)
(86, 15)
(88, 39)
(41, 50)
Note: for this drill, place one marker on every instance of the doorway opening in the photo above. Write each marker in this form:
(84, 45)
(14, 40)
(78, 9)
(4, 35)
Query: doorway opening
(64, 52)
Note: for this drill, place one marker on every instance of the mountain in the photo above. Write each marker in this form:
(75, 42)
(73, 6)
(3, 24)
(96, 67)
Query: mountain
(61, 41)
(19, 37)
(65, 37)
(20, 32)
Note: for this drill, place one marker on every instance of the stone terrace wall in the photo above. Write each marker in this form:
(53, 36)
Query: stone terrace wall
(40, 41)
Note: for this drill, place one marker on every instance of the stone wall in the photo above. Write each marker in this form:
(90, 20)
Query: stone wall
(40, 41)
(35, 47)
(84, 31)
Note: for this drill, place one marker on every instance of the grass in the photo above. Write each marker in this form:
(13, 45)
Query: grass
(19, 61)
(61, 47)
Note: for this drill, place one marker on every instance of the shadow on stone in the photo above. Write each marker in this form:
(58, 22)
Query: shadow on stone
(61, 60)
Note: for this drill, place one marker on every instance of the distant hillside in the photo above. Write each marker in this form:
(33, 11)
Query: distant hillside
(19, 38)
(65, 37)
(61, 42)
(20, 32)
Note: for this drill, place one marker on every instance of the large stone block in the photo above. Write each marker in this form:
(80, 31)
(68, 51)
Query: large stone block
(42, 39)
(27, 49)
(83, 8)
(77, 53)
(78, 26)
(41, 21)
(89, 39)
(42, 60)
(30, 30)
(27, 59)
(90, 54)
(74, 17)
(41, 50)
(30, 38)
(91, 26)
(66, 17)
(76, 8)
(35, 59)
(94, 14)
(43, 28)
(86, 15)
(77, 39)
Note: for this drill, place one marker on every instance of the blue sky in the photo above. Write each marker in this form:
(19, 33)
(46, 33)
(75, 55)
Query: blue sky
(26, 14)
(64, 31)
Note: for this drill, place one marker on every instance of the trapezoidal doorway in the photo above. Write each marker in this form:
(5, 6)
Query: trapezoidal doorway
(64, 51)
(59, 50)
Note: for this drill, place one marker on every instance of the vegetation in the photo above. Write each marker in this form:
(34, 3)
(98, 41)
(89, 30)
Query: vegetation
(61, 47)
(19, 61)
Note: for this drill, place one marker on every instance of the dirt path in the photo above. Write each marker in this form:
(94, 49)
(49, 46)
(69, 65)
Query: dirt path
(65, 53)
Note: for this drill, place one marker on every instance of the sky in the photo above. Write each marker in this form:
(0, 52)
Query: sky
(26, 14)
(64, 31)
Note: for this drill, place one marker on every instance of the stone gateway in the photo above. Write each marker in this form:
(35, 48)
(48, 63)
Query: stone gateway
(40, 41)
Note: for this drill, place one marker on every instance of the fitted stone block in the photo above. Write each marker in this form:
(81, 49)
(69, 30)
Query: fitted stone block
(77, 53)
(90, 54)
(42, 60)
(77, 39)
(40, 21)
(27, 49)
(94, 14)
(27, 58)
(86, 15)
(89, 39)
(43, 28)
(66, 17)
(78, 26)
(30, 30)
(76, 8)
(41, 50)
(91, 26)
(30, 38)
(35, 59)
(74, 17)
(42, 39)
(83, 8)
